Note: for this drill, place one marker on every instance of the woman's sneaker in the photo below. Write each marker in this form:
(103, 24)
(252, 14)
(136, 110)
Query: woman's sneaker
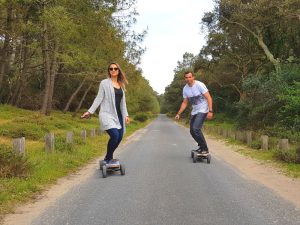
(113, 161)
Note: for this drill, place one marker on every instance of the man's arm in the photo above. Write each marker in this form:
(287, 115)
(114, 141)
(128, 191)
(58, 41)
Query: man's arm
(183, 106)
(210, 103)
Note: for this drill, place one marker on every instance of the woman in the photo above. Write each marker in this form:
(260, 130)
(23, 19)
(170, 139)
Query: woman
(113, 111)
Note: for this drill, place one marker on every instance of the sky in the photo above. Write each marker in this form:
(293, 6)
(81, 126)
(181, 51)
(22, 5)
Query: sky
(173, 29)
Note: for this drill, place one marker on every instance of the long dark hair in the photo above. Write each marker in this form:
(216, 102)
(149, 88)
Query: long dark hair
(121, 76)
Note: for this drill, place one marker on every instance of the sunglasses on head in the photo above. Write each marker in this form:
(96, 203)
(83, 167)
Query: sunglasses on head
(113, 68)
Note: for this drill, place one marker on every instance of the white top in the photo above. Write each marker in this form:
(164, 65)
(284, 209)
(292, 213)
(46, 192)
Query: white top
(105, 98)
(195, 96)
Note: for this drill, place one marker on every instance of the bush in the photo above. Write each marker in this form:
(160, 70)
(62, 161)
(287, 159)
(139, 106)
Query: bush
(141, 117)
(29, 130)
(13, 165)
(62, 146)
(271, 99)
(255, 144)
(289, 156)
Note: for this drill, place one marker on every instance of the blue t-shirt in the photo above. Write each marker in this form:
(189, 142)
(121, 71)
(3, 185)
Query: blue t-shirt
(195, 97)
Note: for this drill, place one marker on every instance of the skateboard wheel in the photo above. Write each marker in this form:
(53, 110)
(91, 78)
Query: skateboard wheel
(195, 158)
(192, 154)
(104, 171)
(208, 159)
(122, 168)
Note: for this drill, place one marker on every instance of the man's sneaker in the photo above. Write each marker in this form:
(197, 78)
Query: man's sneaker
(197, 150)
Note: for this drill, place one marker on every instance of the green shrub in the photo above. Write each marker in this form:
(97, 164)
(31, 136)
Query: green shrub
(29, 130)
(141, 117)
(289, 156)
(13, 165)
(62, 146)
(255, 144)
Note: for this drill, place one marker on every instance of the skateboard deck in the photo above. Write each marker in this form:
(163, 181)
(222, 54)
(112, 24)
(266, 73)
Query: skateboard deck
(115, 164)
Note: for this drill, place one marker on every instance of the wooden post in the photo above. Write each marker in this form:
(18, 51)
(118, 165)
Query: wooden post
(69, 138)
(215, 130)
(83, 135)
(93, 132)
(298, 154)
(264, 142)
(249, 137)
(100, 132)
(284, 144)
(49, 142)
(240, 136)
(232, 134)
(224, 132)
(19, 146)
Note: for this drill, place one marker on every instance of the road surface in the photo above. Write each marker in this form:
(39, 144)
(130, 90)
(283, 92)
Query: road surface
(162, 186)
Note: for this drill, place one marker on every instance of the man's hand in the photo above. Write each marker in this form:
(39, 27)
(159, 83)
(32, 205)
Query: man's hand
(177, 117)
(127, 120)
(209, 115)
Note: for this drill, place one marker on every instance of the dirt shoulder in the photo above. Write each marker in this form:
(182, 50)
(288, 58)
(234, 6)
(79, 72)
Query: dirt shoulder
(262, 172)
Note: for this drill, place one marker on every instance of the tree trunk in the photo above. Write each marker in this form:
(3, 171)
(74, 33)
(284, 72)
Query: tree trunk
(82, 99)
(21, 82)
(73, 96)
(261, 43)
(47, 69)
(53, 72)
(276, 62)
(5, 51)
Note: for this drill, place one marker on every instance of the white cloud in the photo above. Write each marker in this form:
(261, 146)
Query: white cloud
(173, 30)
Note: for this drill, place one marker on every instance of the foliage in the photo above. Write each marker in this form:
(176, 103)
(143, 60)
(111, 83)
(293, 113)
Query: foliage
(289, 156)
(141, 117)
(250, 64)
(272, 99)
(13, 165)
(289, 112)
(49, 49)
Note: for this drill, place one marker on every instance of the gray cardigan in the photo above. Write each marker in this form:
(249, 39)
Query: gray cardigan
(105, 98)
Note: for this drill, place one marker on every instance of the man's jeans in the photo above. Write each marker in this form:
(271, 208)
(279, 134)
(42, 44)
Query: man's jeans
(195, 129)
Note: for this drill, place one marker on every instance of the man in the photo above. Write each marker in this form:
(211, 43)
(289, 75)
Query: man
(196, 93)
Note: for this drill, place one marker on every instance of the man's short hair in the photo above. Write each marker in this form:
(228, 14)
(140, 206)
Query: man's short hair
(187, 72)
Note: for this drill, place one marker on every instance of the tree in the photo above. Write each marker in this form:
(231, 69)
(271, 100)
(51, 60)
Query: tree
(257, 17)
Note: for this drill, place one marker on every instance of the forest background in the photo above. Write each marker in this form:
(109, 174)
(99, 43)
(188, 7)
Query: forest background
(55, 53)
(251, 65)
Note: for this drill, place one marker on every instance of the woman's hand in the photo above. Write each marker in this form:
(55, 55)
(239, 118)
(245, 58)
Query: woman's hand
(127, 120)
(86, 115)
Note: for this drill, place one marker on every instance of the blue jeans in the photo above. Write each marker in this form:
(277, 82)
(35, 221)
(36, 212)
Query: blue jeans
(196, 124)
(116, 136)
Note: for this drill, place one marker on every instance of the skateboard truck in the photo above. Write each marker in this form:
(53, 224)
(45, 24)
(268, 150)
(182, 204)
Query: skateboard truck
(111, 166)
(198, 156)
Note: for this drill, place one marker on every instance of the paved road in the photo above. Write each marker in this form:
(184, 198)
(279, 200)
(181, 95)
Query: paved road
(163, 187)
